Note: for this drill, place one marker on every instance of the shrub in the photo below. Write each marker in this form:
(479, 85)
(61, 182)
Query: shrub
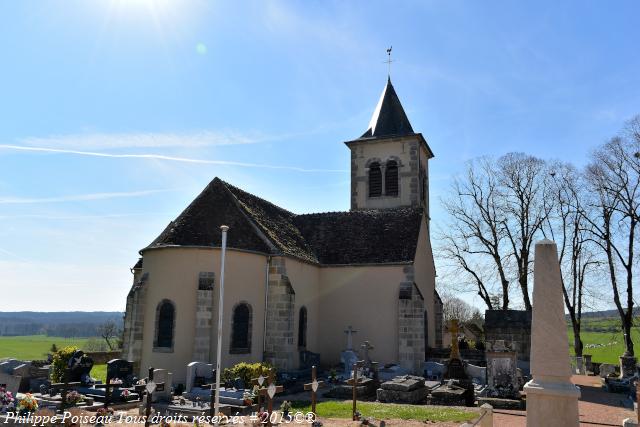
(61, 362)
(246, 372)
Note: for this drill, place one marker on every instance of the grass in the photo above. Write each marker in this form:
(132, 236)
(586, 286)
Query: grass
(604, 331)
(36, 347)
(383, 411)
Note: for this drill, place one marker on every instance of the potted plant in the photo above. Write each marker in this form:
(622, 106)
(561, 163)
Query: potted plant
(248, 397)
(103, 416)
(73, 398)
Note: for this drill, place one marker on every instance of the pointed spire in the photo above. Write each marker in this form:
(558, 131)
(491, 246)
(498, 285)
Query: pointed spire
(389, 118)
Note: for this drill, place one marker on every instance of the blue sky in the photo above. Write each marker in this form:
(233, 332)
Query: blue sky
(101, 102)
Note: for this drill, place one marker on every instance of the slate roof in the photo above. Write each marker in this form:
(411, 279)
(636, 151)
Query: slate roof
(358, 237)
(389, 118)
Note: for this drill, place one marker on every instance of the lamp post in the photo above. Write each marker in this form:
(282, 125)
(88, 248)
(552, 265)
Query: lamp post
(224, 229)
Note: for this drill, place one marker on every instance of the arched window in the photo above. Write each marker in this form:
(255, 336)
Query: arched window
(375, 180)
(165, 322)
(241, 329)
(391, 178)
(302, 327)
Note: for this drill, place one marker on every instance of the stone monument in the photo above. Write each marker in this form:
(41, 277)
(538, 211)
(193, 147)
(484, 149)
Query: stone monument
(552, 400)
(348, 357)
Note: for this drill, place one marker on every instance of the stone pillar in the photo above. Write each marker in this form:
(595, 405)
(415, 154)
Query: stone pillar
(279, 346)
(587, 363)
(410, 328)
(204, 317)
(552, 400)
(439, 319)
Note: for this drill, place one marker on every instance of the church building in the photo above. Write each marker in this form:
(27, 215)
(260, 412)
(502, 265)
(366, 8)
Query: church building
(295, 283)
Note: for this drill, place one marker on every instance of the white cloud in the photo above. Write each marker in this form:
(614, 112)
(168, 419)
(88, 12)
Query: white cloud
(104, 141)
(77, 197)
(164, 157)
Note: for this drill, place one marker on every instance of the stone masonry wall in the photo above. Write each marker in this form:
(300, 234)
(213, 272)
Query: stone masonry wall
(204, 317)
(135, 309)
(512, 326)
(279, 342)
(411, 328)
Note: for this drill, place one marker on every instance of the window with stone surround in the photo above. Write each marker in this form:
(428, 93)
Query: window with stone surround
(165, 326)
(375, 180)
(205, 280)
(302, 328)
(391, 178)
(241, 329)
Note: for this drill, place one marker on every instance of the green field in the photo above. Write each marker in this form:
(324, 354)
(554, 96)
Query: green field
(36, 347)
(605, 332)
(383, 411)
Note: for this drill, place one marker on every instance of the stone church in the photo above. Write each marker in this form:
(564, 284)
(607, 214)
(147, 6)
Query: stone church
(295, 283)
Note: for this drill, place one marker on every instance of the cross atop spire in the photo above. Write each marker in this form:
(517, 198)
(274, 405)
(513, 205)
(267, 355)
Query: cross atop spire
(389, 61)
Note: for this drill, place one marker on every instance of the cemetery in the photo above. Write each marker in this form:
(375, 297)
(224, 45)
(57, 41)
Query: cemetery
(497, 386)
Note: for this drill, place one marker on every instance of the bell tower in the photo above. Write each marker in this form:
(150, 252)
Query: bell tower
(389, 162)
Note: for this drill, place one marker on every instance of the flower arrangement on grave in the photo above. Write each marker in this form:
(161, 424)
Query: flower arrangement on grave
(27, 404)
(142, 382)
(61, 362)
(333, 376)
(124, 394)
(115, 381)
(73, 397)
(248, 397)
(7, 401)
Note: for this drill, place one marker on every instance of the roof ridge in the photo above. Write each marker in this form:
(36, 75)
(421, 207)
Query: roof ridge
(233, 188)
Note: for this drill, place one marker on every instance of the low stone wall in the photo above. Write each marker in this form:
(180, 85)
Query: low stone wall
(102, 357)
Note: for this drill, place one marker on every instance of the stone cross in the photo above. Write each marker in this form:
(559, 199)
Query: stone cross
(354, 383)
(350, 331)
(365, 352)
(149, 389)
(453, 329)
(313, 386)
(64, 388)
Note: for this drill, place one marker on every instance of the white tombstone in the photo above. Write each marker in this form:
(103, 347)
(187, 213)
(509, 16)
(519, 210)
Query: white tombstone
(552, 400)
(197, 369)
(12, 382)
(434, 371)
(477, 373)
(166, 377)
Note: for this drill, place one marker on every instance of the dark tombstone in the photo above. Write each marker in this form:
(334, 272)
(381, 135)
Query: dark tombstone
(79, 368)
(238, 384)
(309, 359)
(123, 370)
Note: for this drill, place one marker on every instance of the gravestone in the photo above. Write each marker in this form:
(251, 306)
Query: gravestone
(502, 374)
(403, 389)
(348, 357)
(607, 370)
(123, 370)
(79, 366)
(13, 374)
(198, 374)
(434, 371)
(478, 374)
(162, 376)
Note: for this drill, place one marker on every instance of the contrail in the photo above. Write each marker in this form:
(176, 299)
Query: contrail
(163, 157)
(77, 197)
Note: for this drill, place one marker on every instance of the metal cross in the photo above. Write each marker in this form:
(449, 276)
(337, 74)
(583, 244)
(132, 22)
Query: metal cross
(389, 61)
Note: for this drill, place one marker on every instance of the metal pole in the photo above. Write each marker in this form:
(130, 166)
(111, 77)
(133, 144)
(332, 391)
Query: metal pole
(224, 229)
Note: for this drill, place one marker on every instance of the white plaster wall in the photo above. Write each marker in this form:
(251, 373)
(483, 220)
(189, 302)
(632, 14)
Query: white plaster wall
(366, 298)
(173, 275)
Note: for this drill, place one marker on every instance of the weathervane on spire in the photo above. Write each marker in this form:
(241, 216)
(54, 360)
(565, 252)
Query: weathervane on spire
(389, 61)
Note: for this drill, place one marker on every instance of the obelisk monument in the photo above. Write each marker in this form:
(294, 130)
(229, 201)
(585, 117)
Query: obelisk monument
(552, 400)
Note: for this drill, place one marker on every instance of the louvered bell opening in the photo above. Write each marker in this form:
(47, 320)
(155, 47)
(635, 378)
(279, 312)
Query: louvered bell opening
(391, 178)
(375, 180)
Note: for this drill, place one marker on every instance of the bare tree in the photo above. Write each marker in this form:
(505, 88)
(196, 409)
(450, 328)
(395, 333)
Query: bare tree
(455, 308)
(523, 181)
(614, 177)
(108, 331)
(474, 238)
(566, 225)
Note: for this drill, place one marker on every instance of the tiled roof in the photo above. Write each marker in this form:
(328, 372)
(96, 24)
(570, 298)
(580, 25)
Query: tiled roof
(358, 237)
